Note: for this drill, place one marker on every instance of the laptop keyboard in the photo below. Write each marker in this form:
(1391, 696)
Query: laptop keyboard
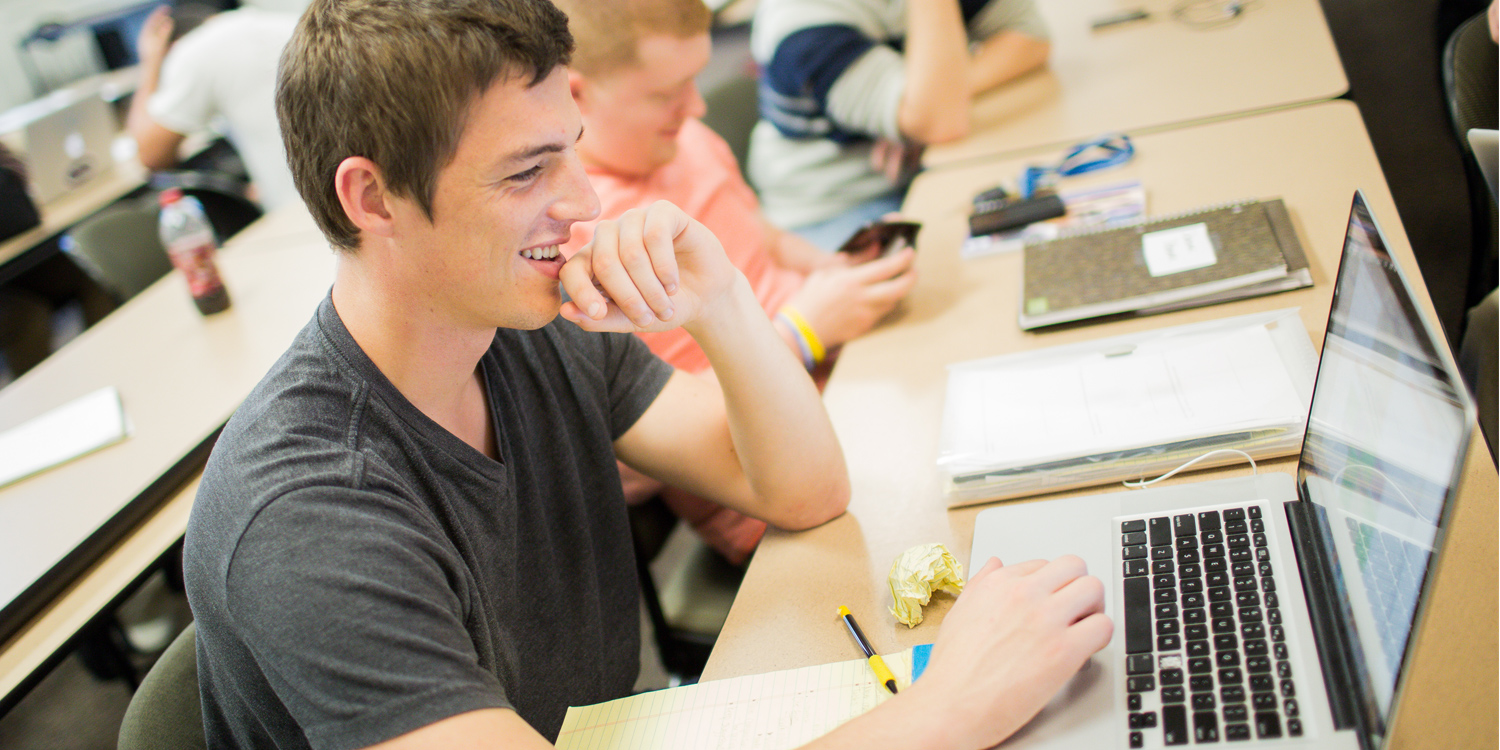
(1206, 658)
(1392, 569)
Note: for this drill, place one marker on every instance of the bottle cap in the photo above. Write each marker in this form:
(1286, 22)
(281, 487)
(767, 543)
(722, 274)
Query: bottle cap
(170, 195)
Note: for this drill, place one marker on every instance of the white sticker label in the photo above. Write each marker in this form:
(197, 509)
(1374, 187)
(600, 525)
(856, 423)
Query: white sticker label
(1176, 250)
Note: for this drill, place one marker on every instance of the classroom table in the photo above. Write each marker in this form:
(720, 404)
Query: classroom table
(886, 393)
(1151, 74)
(180, 375)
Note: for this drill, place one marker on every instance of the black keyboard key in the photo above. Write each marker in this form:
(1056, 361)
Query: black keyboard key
(1137, 611)
(1171, 676)
(1174, 729)
(1214, 551)
(1139, 664)
(1137, 740)
(1145, 720)
(1242, 568)
(1205, 726)
(1173, 694)
(1133, 701)
(1268, 584)
(1232, 694)
(1257, 665)
(1217, 579)
(1284, 669)
(1258, 540)
(1216, 565)
(1244, 584)
(1273, 615)
(1234, 514)
(1184, 525)
(1221, 609)
(1251, 616)
(1263, 554)
(1247, 598)
(1223, 624)
(1164, 596)
(1226, 642)
(1236, 712)
(1280, 651)
(1238, 553)
(1256, 647)
(1197, 632)
(1164, 581)
(1200, 665)
(1201, 683)
(1133, 538)
(1255, 511)
(1236, 527)
(1165, 611)
(1161, 553)
(1204, 702)
(1134, 552)
(1264, 568)
(1263, 701)
(1208, 520)
(1187, 542)
(1140, 683)
(1267, 725)
(1194, 615)
(1192, 585)
(1262, 683)
(1211, 537)
(1193, 600)
(1219, 594)
(1290, 708)
(1193, 570)
(1186, 556)
(1168, 643)
(1227, 658)
(1231, 676)
(1258, 526)
(1197, 648)
(1237, 540)
(1233, 732)
(1278, 634)
(1294, 727)
(1127, 527)
(1162, 566)
(1136, 568)
(1160, 530)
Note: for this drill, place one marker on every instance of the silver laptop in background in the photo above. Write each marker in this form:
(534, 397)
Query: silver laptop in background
(68, 145)
(1221, 636)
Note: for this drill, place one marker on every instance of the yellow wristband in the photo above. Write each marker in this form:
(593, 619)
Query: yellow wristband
(813, 342)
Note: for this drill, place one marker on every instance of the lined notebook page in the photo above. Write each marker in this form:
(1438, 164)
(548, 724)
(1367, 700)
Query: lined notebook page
(769, 711)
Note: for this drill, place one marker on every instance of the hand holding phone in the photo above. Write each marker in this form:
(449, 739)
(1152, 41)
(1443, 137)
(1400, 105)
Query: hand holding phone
(881, 238)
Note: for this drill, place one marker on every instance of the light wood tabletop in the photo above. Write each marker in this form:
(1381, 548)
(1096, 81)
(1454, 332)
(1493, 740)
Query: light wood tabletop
(886, 393)
(1153, 73)
(180, 375)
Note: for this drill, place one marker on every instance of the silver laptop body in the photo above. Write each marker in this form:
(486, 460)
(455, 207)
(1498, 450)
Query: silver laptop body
(69, 147)
(1387, 434)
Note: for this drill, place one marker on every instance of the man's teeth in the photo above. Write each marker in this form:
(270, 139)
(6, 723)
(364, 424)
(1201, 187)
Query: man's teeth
(541, 253)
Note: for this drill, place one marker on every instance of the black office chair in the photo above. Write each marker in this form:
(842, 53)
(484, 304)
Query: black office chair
(733, 107)
(1470, 80)
(688, 605)
(166, 713)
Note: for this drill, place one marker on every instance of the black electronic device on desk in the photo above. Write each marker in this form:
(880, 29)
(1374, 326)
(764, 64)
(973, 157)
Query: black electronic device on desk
(996, 210)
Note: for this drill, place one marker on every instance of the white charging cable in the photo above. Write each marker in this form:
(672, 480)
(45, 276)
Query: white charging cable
(1138, 484)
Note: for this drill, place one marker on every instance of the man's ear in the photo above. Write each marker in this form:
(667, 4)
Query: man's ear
(361, 189)
(577, 84)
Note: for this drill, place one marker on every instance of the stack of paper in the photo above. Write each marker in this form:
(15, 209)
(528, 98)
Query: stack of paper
(1124, 407)
(78, 427)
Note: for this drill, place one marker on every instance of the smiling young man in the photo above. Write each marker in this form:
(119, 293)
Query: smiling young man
(633, 78)
(411, 533)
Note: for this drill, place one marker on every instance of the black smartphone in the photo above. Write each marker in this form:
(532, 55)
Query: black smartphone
(889, 236)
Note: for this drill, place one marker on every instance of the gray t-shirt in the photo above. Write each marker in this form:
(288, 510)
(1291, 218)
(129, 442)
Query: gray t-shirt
(358, 572)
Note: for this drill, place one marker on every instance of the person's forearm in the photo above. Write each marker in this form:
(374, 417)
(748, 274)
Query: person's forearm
(933, 110)
(156, 147)
(138, 118)
(914, 716)
(1004, 57)
(793, 252)
(784, 441)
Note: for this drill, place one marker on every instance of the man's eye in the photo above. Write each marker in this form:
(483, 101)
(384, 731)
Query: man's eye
(527, 175)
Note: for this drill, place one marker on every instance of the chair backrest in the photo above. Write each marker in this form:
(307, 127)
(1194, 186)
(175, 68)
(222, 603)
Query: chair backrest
(120, 249)
(733, 107)
(1470, 78)
(166, 713)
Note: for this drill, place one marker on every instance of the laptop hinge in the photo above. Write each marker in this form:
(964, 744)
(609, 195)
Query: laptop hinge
(1332, 640)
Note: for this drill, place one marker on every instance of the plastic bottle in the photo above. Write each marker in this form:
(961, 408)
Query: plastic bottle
(189, 240)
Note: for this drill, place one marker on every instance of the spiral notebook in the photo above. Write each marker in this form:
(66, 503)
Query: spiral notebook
(1211, 255)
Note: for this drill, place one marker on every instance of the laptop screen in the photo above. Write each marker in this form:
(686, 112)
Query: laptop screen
(1387, 432)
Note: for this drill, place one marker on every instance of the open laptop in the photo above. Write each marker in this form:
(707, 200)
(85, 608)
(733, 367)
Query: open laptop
(1262, 610)
(68, 146)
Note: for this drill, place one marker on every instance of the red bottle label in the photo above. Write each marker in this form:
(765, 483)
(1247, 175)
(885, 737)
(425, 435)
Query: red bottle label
(197, 264)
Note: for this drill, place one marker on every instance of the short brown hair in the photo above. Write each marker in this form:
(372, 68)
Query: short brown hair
(393, 82)
(609, 31)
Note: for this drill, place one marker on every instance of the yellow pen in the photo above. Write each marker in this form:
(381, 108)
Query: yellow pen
(882, 672)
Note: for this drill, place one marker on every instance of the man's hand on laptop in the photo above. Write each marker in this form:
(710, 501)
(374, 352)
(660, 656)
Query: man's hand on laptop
(652, 269)
(1010, 642)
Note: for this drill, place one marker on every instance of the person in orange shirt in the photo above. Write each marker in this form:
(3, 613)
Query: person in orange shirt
(633, 79)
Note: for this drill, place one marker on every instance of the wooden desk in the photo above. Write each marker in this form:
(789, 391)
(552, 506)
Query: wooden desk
(1153, 73)
(886, 394)
(180, 376)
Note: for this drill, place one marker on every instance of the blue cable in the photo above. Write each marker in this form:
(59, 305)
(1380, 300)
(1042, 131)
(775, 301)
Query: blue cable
(1090, 156)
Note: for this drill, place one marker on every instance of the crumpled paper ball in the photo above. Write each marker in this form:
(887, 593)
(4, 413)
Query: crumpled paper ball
(916, 574)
